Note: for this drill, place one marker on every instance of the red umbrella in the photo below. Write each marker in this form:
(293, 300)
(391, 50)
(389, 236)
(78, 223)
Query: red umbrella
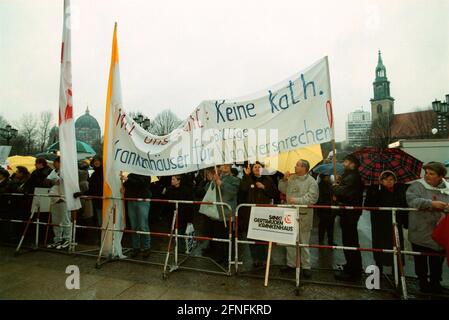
(374, 160)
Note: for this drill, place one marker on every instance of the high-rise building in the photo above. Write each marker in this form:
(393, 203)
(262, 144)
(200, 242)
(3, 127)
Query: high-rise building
(357, 128)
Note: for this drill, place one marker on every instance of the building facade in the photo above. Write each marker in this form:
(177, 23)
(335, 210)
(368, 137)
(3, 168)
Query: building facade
(357, 128)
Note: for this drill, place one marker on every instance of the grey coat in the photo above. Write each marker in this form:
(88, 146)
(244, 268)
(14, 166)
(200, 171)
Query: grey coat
(229, 189)
(304, 190)
(422, 223)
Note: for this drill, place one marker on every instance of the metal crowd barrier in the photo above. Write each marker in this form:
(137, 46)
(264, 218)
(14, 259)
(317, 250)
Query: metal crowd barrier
(173, 236)
(396, 251)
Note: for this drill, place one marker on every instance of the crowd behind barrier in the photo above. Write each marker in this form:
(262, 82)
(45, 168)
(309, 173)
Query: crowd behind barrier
(173, 202)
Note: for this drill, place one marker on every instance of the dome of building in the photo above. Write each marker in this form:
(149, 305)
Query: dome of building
(87, 129)
(86, 121)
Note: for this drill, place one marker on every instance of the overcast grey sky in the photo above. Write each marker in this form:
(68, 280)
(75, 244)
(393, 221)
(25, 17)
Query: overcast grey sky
(174, 54)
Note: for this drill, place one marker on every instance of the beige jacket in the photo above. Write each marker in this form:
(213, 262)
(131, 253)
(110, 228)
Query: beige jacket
(303, 189)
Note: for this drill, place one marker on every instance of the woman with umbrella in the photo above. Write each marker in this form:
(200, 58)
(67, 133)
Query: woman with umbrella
(387, 194)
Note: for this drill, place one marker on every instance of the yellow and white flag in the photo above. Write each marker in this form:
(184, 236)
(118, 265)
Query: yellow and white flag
(113, 209)
(67, 141)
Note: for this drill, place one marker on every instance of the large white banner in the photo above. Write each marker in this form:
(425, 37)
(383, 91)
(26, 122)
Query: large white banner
(278, 225)
(287, 116)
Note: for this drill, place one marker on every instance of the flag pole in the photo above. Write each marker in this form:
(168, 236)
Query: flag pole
(330, 115)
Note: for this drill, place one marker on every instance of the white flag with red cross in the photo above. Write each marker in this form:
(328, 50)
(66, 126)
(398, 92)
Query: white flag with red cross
(67, 140)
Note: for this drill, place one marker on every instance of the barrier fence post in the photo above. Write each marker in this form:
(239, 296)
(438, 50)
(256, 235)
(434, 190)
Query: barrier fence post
(103, 238)
(111, 255)
(298, 259)
(73, 225)
(36, 243)
(397, 243)
(176, 234)
(164, 273)
(30, 218)
(230, 244)
(236, 253)
(395, 260)
(46, 229)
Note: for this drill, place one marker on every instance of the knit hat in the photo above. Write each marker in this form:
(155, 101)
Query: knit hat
(385, 173)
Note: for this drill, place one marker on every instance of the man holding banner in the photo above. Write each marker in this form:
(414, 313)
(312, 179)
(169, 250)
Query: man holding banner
(301, 188)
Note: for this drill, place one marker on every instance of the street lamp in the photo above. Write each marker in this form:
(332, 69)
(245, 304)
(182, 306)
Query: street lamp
(142, 121)
(8, 133)
(441, 109)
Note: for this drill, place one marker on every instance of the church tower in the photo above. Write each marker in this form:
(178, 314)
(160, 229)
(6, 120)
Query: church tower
(382, 103)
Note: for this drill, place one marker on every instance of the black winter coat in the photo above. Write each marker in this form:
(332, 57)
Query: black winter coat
(350, 191)
(185, 211)
(257, 195)
(381, 221)
(137, 186)
(36, 180)
(251, 194)
(7, 202)
(96, 187)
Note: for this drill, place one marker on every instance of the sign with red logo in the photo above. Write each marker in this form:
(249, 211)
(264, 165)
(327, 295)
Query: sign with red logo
(278, 225)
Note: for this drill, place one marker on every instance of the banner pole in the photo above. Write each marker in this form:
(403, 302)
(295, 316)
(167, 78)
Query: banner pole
(267, 268)
(221, 199)
(330, 115)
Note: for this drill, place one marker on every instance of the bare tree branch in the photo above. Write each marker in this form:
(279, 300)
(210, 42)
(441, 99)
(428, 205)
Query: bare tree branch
(44, 129)
(164, 123)
(28, 128)
(380, 132)
(3, 122)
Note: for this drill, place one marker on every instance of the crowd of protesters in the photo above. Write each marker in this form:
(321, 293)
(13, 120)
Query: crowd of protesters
(251, 183)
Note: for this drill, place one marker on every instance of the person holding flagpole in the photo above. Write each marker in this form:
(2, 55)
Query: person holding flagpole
(67, 141)
(60, 216)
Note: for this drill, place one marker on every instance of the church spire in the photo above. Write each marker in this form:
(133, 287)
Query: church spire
(381, 72)
(379, 59)
(87, 109)
(382, 102)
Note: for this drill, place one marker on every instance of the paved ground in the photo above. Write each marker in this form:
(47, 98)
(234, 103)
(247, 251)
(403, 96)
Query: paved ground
(41, 275)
